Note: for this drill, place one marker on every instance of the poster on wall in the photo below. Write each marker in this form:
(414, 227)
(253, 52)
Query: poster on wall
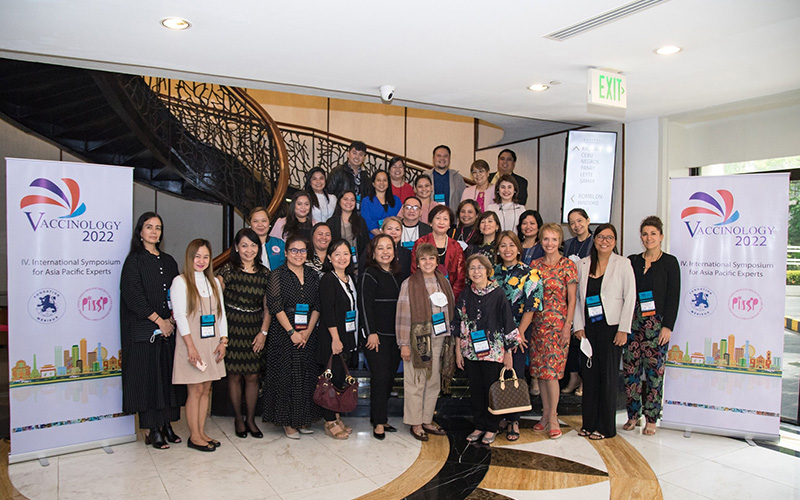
(725, 360)
(69, 227)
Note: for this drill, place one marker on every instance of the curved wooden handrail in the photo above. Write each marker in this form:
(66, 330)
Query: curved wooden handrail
(283, 156)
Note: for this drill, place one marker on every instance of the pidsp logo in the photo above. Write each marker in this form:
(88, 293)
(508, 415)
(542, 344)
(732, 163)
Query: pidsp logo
(745, 303)
(94, 304)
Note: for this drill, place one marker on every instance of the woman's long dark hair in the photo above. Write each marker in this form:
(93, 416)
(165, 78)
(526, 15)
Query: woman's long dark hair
(539, 223)
(308, 189)
(137, 245)
(337, 212)
(389, 195)
(292, 224)
(235, 258)
(593, 251)
(327, 266)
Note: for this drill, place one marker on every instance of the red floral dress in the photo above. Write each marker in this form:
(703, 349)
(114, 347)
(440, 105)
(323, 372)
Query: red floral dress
(548, 358)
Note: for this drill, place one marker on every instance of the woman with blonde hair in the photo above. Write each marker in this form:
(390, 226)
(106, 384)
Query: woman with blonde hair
(199, 313)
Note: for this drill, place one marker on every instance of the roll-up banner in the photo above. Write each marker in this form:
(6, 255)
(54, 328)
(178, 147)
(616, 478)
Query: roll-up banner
(725, 360)
(69, 228)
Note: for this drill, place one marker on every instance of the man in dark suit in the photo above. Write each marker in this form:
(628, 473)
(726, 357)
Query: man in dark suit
(351, 176)
(506, 161)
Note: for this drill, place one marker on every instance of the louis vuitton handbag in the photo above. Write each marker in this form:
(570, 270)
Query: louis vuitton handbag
(509, 396)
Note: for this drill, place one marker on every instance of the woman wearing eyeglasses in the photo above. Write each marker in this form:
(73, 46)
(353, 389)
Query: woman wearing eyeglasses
(483, 191)
(605, 305)
(291, 377)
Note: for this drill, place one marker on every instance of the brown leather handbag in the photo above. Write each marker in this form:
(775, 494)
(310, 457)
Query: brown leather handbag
(330, 397)
(509, 396)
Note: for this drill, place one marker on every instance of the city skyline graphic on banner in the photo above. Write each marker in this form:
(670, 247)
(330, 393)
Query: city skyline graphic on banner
(724, 355)
(75, 363)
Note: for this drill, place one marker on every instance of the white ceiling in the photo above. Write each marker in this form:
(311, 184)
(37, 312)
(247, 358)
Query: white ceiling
(469, 57)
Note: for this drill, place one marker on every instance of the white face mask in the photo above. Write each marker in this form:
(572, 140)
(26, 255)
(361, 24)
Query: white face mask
(574, 258)
(586, 349)
(439, 299)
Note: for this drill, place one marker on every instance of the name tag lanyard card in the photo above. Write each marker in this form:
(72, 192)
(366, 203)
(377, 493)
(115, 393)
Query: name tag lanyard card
(647, 303)
(207, 320)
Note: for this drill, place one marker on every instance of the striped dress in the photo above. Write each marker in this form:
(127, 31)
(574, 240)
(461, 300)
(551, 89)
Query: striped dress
(244, 308)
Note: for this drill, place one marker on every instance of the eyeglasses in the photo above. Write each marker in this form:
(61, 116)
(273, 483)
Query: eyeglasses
(295, 251)
(605, 238)
(412, 207)
(476, 269)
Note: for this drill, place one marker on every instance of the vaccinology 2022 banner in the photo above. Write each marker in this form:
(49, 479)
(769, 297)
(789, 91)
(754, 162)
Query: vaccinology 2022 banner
(725, 360)
(69, 229)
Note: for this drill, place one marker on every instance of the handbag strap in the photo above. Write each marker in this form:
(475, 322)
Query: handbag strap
(503, 378)
(329, 374)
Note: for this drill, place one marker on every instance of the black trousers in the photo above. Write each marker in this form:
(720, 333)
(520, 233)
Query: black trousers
(481, 375)
(382, 371)
(599, 405)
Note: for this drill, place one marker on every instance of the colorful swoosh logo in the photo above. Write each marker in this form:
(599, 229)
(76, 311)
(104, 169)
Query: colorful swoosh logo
(722, 210)
(71, 203)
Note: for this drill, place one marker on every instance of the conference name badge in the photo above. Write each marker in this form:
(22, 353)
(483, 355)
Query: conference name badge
(301, 316)
(408, 244)
(353, 253)
(647, 303)
(480, 343)
(169, 299)
(350, 321)
(438, 198)
(595, 308)
(439, 324)
(380, 223)
(207, 326)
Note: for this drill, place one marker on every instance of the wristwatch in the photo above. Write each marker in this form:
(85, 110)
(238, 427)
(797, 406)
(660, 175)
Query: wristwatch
(264, 332)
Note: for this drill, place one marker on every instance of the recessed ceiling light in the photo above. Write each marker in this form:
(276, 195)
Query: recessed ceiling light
(667, 50)
(538, 87)
(175, 23)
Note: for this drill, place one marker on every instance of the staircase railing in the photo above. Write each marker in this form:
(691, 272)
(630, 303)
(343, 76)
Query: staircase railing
(223, 141)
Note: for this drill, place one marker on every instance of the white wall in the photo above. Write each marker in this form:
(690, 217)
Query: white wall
(644, 184)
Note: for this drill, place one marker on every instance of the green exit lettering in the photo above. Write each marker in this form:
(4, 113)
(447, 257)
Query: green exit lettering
(611, 88)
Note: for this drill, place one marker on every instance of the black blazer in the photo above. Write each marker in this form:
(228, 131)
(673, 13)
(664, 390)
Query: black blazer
(666, 276)
(403, 258)
(334, 303)
(359, 228)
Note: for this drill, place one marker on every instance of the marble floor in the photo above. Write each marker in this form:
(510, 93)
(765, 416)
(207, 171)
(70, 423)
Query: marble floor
(666, 465)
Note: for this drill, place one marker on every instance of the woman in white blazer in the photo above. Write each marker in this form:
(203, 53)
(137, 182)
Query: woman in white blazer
(603, 315)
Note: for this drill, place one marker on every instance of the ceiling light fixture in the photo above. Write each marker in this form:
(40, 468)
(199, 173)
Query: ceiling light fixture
(668, 50)
(176, 23)
(538, 87)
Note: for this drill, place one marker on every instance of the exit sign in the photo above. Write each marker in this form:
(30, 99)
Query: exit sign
(607, 89)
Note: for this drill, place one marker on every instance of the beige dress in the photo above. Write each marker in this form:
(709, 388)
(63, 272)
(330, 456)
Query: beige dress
(183, 372)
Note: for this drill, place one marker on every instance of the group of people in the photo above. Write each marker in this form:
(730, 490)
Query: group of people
(436, 275)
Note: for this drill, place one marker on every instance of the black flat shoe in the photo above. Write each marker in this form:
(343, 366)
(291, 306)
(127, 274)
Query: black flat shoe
(198, 447)
(255, 433)
(389, 428)
(214, 442)
(170, 434)
(376, 435)
(156, 439)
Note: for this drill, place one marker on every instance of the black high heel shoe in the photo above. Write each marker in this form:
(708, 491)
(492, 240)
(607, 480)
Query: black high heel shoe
(238, 434)
(170, 434)
(255, 433)
(156, 439)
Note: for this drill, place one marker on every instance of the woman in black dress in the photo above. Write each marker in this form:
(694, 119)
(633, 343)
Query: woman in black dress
(291, 377)
(147, 328)
(483, 242)
(348, 224)
(244, 282)
(379, 291)
(338, 324)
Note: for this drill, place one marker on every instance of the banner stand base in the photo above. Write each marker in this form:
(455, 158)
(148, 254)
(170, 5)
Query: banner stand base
(43, 455)
(748, 436)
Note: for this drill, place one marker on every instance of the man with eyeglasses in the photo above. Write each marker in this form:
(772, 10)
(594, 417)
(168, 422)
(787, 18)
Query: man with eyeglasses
(413, 229)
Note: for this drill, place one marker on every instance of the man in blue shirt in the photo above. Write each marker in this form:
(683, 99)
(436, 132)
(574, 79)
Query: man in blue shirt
(448, 185)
